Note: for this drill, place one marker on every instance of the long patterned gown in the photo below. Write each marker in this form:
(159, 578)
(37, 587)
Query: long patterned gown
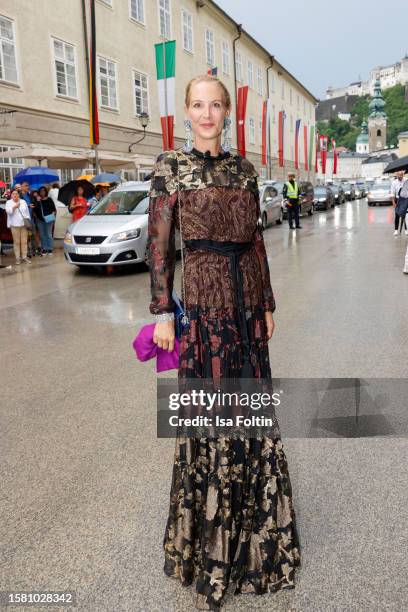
(231, 514)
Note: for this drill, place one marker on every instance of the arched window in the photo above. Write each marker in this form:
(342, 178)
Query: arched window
(378, 132)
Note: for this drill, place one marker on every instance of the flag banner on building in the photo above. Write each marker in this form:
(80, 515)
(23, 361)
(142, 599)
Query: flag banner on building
(265, 131)
(305, 147)
(281, 134)
(93, 98)
(241, 112)
(312, 143)
(166, 73)
(297, 128)
(317, 152)
(213, 71)
(323, 152)
(334, 156)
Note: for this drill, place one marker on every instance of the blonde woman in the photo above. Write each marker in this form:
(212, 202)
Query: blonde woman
(231, 516)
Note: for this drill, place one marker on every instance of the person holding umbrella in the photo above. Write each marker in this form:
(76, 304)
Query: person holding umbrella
(45, 213)
(396, 186)
(78, 205)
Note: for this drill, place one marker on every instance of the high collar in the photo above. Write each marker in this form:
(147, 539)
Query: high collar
(206, 155)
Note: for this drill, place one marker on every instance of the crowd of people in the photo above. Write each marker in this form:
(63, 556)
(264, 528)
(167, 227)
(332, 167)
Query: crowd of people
(31, 216)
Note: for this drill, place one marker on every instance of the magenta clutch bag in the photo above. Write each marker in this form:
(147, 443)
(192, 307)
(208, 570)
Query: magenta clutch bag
(146, 349)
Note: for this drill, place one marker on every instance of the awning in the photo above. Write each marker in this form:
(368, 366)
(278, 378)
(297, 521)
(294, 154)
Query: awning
(55, 158)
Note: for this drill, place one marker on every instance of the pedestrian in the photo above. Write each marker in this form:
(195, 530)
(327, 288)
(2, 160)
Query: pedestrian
(26, 195)
(291, 193)
(18, 218)
(53, 192)
(396, 186)
(231, 515)
(78, 205)
(45, 212)
(96, 198)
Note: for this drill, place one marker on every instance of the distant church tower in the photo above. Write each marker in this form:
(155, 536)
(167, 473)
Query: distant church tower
(377, 120)
(362, 139)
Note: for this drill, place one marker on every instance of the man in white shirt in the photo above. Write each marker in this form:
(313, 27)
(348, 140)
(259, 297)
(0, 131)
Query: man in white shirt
(395, 189)
(17, 212)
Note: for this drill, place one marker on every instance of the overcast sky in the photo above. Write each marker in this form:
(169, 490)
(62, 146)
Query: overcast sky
(323, 43)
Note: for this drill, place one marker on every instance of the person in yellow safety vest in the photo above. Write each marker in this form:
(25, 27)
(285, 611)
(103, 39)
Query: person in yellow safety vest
(291, 193)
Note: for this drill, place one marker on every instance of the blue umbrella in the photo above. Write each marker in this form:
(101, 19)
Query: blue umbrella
(36, 176)
(105, 177)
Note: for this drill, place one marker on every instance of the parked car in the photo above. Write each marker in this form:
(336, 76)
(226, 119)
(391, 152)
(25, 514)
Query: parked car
(271, 204)
(380, 193)
(114, 232)
(348, 189)
(338, 192)
(306, 197)
(360, 188)
(323, 197)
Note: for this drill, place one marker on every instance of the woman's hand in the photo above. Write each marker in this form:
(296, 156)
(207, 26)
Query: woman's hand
(164, 335)
(270, 324)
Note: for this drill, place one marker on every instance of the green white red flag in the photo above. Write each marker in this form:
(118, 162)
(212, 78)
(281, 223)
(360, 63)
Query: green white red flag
(166, 85)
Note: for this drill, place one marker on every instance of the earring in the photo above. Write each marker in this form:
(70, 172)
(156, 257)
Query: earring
(188, 126)
(226, 143)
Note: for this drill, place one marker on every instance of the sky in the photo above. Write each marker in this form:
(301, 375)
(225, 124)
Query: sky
(323, 43)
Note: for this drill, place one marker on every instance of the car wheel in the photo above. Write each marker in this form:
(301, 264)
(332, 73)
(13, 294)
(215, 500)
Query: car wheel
(264, 221)
(279, 220)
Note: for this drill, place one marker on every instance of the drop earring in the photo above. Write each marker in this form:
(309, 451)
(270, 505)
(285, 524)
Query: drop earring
(226, 143)
(188, 126)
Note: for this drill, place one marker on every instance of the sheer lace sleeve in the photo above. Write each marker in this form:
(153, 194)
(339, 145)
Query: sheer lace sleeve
(161, 234)
(269, 299)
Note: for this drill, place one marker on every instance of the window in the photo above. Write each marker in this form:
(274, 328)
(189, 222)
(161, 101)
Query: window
(8, 62)
(260, 131)
(273, 114)
(137, 10)
(272, 82)
(304, 106)
(260, 80)
(283, 89)
(252, 130)
(9, 166)
(107, 83)
(164, 16)
(225, 52)
(250, 74)
(209, 47)
(290, 96)
(238, 66)
(65, 74)
(141, 92)
(291, 123)
(378, 132)
(108, 2)
(298, 101)
(187, 28)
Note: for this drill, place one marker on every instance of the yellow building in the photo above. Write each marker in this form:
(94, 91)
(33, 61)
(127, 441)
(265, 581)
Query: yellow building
(402, 144)
(44, 77)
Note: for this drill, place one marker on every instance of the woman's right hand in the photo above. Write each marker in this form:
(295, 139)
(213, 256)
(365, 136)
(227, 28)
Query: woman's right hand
(164, 335)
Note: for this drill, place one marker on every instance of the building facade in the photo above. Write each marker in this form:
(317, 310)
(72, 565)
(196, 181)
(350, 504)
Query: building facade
(44, 77)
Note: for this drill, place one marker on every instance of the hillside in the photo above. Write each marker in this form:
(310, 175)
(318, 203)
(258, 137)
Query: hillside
(345, 133)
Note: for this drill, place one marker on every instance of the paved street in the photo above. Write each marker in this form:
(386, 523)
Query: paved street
(85, 482)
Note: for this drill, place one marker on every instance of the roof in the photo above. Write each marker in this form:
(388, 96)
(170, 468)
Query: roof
(383, 158)
(343, 105)
(266, 51)
(403, 135)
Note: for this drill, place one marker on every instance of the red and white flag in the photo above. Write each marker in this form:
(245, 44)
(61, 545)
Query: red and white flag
(281, 134)
(334, 156)
(305, 143)
(323, 152)
(241, 112)
(265, 131)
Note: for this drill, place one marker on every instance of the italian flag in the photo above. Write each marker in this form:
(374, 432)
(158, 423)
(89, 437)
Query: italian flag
(165, 72)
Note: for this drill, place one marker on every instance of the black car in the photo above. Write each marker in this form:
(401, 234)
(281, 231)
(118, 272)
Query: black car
(323, 197)
(338, 192)
(349, 192)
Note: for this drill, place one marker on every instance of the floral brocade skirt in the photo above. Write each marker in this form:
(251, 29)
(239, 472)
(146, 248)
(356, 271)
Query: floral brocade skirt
(231, 516)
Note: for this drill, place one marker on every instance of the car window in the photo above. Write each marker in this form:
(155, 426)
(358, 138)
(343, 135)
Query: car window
(122, 203)
(382, 185)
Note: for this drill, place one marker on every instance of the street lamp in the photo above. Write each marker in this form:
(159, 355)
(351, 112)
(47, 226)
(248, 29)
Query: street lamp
(144, 120)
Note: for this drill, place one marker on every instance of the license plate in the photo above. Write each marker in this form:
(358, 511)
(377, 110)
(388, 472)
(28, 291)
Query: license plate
(87, 250)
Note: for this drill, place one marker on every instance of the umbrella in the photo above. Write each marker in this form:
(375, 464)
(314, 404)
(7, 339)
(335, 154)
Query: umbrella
(106, 177)
(397, 164)
(67, 192)
(85, 177)
(36, 176)
(2, 184)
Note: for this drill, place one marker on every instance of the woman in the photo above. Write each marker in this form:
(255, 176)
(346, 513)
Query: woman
(17, 211)
(231, 514)
(78, 205)
(45, 214)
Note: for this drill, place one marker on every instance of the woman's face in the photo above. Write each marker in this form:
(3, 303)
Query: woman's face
(206, 110)
(80, 191)
(15, 196)
(42, 193)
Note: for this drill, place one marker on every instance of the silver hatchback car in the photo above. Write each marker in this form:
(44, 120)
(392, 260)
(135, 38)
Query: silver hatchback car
(114, 232)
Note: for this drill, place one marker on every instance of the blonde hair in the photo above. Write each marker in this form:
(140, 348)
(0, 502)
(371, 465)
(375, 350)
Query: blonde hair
(209, 78)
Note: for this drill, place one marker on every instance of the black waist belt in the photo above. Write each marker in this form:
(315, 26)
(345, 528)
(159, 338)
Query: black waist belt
(233, 250)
